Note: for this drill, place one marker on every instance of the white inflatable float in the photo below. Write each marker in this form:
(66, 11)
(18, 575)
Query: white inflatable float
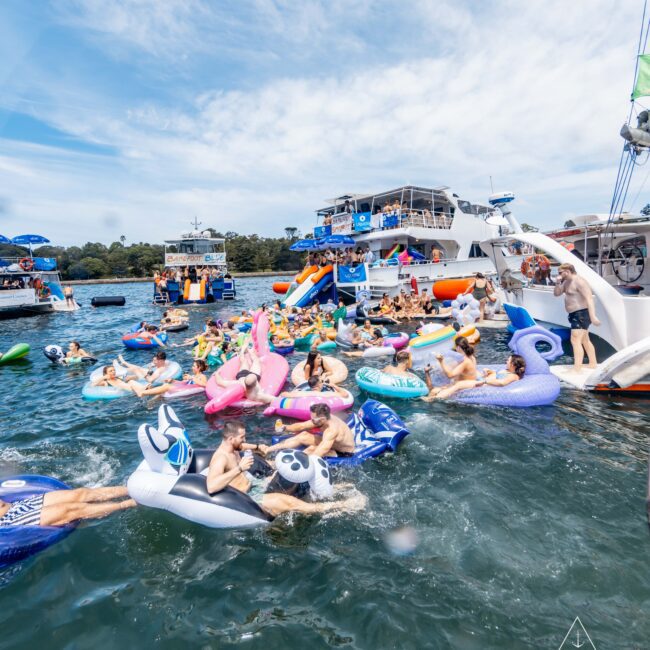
(172, 477)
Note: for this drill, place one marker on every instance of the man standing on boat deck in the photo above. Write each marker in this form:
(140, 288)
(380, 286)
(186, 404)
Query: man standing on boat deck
(579, 304)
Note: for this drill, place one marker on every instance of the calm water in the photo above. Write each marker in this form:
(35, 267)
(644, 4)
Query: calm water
(525, 520)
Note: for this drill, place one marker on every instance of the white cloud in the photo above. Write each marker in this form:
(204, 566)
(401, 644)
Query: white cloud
(530, 93)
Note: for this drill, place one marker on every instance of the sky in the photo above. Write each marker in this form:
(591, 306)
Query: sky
(132, 117)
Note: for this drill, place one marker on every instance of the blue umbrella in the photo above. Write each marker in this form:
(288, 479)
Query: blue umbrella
(4, 240)
(30, 239)
(335, 241)
(304, 245)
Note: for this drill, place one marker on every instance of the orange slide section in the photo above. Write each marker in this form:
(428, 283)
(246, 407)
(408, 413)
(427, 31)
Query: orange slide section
(322, 273)
(449, 289)
(301, 277)
(281, 287)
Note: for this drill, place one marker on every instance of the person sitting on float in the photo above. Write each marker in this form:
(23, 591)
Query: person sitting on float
(282, 343)
(514, 371)
(75, 351)
(316, 365)
(63, 507)
(109, 378)
(335, 437)
(402, 365)
(151, 372)
(228, 468)
(463, 375)
(151, 332)
(316, 385)
(320, 338)
(377, 340)
(197, 375)
(249, 376)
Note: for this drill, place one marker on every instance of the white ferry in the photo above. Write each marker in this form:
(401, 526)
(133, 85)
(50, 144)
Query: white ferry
(30, 285)
(417, 235)
(196, 271)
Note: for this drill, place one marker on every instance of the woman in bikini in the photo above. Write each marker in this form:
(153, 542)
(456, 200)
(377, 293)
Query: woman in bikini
(463, 375)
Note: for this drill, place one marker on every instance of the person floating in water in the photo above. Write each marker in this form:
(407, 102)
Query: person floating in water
(63, 507)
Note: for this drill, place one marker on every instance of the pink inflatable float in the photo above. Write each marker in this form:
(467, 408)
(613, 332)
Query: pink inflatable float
(298, 407)
(274, 372)
(180, 389)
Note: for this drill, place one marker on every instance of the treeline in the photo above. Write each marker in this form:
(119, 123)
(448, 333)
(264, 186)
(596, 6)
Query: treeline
(245, 253)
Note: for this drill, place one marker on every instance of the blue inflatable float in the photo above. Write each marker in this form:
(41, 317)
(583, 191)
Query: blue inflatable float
(377, 429)
(20, 542)
(135, 341)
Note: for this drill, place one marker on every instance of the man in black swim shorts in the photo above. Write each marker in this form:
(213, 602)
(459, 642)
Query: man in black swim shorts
(579, 303)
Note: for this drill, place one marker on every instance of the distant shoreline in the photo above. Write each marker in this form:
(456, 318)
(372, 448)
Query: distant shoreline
(251, 274)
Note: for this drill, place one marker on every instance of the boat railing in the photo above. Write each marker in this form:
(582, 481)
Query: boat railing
(345, 223)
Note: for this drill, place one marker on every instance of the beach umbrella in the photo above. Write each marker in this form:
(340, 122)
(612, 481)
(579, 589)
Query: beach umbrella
(21, 240)
(4, 240)
(304, 245)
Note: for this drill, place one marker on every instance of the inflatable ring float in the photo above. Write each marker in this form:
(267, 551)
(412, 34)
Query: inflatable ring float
(335, 366)
(20, 542)
(377, 382)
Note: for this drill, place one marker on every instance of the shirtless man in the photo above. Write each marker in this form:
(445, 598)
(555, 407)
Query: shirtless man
(227, 467)
(579, 304)
(402, 367)
(336, 438)
(152, 372)
(249, 377)
(63, 507)
(68, 294)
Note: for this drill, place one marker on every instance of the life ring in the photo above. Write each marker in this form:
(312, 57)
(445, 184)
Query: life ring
(532, 261)
(26, 264)
(46, 292)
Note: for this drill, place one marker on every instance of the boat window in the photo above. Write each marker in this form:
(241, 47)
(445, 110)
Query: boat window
(475, 250)
(471, 208)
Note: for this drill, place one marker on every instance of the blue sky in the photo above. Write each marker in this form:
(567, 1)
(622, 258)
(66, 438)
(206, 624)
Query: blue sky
(133, 116)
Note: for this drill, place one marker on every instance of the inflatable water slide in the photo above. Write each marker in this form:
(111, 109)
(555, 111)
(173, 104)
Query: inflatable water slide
(313, 283)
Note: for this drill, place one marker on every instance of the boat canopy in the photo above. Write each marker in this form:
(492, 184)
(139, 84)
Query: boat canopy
(415, 197)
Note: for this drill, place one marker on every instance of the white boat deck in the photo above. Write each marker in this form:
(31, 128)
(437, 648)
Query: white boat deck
(567, 375)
